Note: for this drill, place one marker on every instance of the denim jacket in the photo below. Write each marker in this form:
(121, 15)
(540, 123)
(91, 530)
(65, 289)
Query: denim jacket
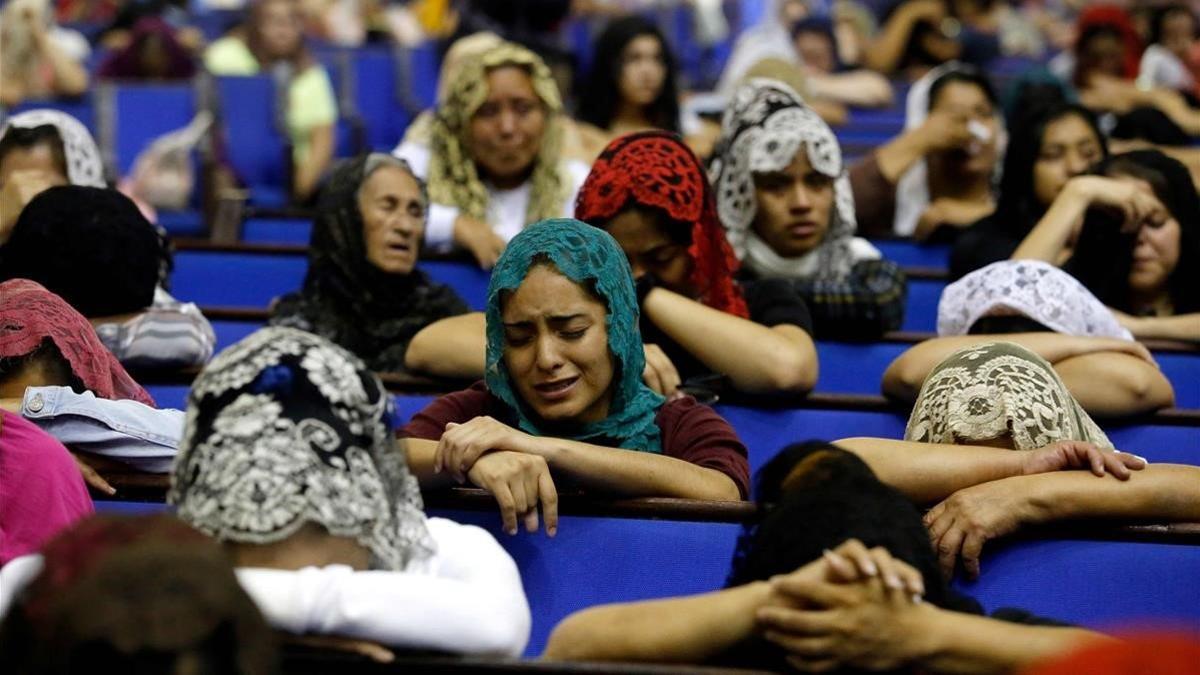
(145, 438)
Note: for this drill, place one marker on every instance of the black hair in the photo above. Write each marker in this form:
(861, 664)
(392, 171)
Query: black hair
(1017, 206)
(1103, 255)
(91, 246)
(963, 75)
(25, 138)
(835, 497)
(58, 369)
(1160, 17)
(599, 99)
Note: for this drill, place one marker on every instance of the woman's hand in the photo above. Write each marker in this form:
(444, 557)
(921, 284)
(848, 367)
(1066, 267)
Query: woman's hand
(518, 482)
(660, 374)
(20, 189)
(825, 624)
(1136, 204)
(1080, 455)
(961, 524)
(461, 445)
(477, 237)
(91, 477)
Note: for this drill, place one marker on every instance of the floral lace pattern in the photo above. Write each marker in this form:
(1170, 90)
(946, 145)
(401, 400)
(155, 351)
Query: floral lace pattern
(654, 169)
(29, 314)
(1030, 288)
(284, 428)
(994, 390)
(84, 166)
(763, 129)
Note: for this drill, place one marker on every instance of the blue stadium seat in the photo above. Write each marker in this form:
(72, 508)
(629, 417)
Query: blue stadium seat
(256, 145)
(140, 113)
(913, 254)
(920, 311)
(82, 109)
(376, 98)
(277, 230)
(235, 279)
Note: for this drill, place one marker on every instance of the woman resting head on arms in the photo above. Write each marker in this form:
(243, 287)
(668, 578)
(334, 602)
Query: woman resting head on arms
(938, 173)
(272, 40)
(494, 162)
(55, 373)
(1046, 149)
(131, 594)
(650, 193)
(1130, 235)
(843, 592)
(563, 398)
(1044, 310)
(289, 459)
(363, 290)
(784, 198)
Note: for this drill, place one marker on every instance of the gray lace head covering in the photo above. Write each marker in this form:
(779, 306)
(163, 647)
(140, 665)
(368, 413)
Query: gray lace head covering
(285, 428)
(1029, 288)
(996, 389)
(84, 166)
(764, 127)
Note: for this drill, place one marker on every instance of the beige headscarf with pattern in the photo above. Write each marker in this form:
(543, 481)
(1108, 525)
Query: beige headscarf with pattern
(453, 177)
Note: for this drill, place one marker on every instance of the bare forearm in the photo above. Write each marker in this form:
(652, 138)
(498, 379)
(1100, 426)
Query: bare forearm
(966, 644)
(70, 78)
(634, 474)
(320, 153)
(419, 454)
(1160, 492)
(895, 157)
(1050, 237)
(859, 88)
(756, 358)
(1111, 384)
(454, 347)
(904, 377)
(689, 630)
(1180, 327)
(928, 472)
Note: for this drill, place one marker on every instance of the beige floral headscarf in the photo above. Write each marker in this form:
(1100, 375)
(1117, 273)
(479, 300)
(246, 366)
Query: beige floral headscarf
(994, 390)
(453, 178)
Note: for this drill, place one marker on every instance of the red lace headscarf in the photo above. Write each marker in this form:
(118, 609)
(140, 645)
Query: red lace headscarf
(29, 314)
(1116, 18)
(655, 170)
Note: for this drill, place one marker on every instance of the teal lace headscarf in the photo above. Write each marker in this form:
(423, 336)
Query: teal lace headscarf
(585, 255)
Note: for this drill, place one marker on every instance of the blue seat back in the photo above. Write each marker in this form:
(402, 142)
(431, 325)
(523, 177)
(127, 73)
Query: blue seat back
(255, 143)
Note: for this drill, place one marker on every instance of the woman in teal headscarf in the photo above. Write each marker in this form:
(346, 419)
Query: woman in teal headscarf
(563, 397)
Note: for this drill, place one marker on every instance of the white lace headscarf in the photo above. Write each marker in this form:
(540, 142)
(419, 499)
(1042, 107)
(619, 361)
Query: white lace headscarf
(912, 189)
(84, 165)
(763, 129)
(286, 428)
(1029, 288)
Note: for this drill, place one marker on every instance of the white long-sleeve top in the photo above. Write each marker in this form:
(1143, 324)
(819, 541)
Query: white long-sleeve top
(467, 598)
(506, 208)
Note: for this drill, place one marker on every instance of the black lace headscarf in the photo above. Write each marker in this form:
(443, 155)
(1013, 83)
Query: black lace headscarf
(347, 299)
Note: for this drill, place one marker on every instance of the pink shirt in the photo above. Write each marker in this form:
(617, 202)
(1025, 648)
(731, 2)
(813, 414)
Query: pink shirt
(41, 489)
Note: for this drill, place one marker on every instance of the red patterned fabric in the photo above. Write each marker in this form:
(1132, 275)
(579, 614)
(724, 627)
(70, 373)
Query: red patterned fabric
(29, 314)
(1117, 18)
(654, 169)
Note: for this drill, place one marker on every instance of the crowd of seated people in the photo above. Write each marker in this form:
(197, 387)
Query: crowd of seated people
(677, 219)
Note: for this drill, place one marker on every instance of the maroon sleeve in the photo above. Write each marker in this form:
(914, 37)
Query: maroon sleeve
(696, 433)
(874, 198)
(461, 406)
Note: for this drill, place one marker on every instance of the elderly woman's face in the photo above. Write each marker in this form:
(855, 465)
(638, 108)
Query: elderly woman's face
(506, 131)
(393, 217)
(556, 348)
